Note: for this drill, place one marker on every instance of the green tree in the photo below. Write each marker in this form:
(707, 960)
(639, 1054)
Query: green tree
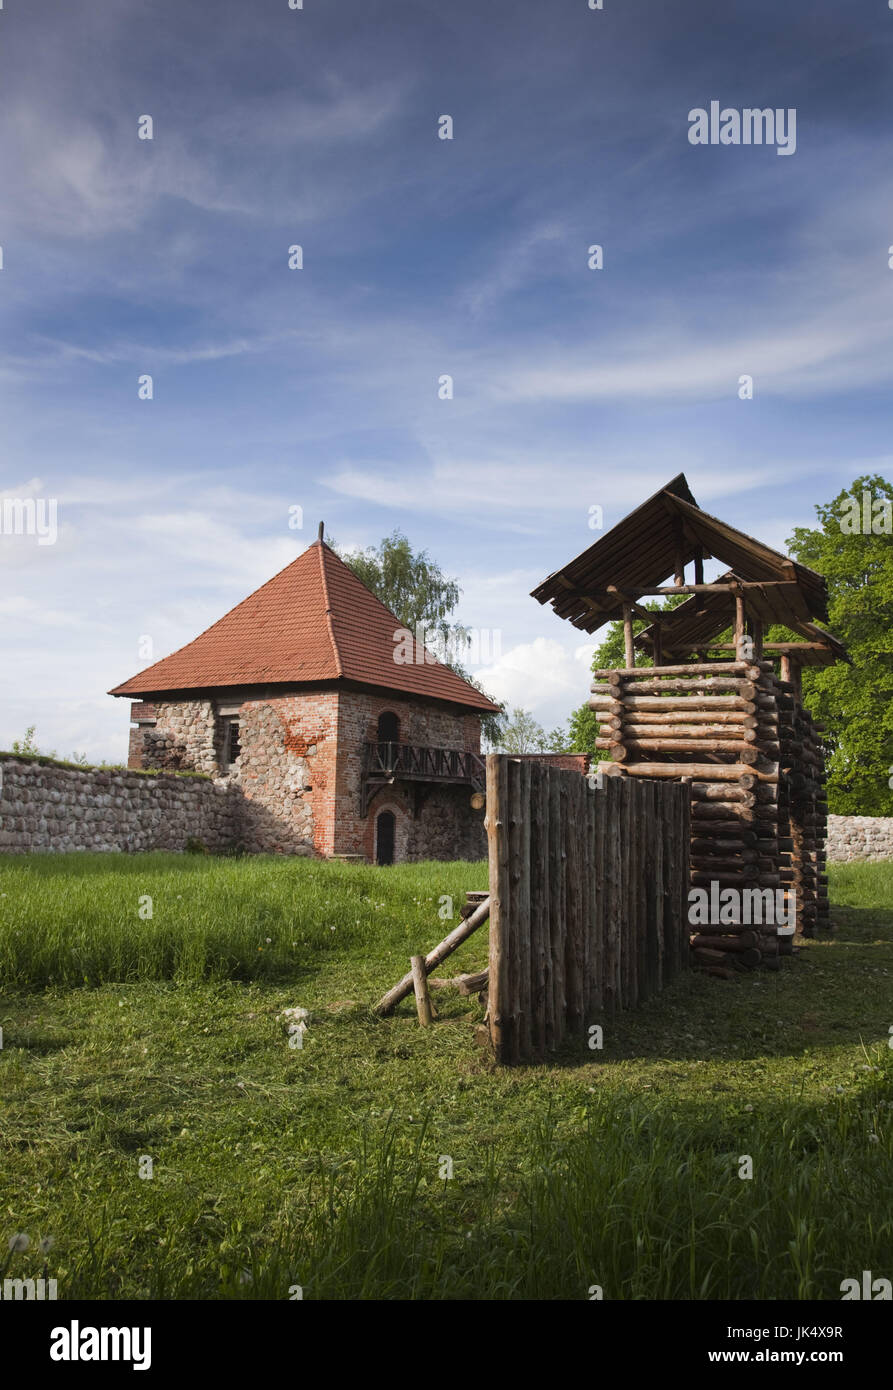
(855, 703)
(583, 731)
(410, 584)
(557, 740)
(423, 599)
(522, 733)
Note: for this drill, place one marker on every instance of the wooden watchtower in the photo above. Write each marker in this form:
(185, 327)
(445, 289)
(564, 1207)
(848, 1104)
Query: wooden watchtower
(725, 713)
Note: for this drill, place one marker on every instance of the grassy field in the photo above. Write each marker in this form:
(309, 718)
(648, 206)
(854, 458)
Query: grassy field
(127, 1035)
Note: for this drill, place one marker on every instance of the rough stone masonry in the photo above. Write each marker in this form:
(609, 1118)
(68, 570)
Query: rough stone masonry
(55, 809)
(860, 837)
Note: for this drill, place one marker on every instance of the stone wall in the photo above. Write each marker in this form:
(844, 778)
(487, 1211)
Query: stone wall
(46, 808)
(860, 837)
(300, 769)
(183, 738)
(286, 772)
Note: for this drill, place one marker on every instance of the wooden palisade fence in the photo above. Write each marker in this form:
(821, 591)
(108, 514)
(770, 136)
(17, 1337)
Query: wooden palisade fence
(588, 900)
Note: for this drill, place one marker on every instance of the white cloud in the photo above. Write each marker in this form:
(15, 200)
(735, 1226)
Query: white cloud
(547, 677)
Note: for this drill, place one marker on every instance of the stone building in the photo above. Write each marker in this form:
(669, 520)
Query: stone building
(346, 737)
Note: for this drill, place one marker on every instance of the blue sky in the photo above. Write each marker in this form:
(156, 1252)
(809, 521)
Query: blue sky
(317, 388)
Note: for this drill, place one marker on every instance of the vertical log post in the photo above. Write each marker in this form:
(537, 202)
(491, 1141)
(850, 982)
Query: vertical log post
(660, 871)
(682, 879)
(629, 649)
(615, 790)
(539, 899)
(559, 902)
(521, 899)
(739, 624)
(500, 904)
(597, 869)
(658, 649)
(422, 997)
(551, 829)
(629, 918)
(647, 831)
(511, 1011)
(573, 788)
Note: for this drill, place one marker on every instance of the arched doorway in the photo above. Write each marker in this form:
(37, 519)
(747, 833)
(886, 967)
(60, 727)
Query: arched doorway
(388, 736)
(385, 826)
(388, 727)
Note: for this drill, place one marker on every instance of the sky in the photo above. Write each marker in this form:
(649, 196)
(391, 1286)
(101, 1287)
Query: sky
(313, 394)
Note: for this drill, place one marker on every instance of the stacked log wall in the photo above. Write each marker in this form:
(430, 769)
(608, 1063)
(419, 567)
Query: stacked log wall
(753, 761)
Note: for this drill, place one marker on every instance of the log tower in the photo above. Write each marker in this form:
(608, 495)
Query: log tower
(718, 706)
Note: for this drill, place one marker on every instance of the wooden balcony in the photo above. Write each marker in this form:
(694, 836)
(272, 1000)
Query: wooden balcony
(387, 763)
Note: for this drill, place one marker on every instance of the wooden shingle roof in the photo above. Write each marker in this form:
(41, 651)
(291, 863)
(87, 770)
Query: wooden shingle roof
(642, 551)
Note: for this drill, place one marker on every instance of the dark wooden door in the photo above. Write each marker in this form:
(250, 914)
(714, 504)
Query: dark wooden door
(384, 838)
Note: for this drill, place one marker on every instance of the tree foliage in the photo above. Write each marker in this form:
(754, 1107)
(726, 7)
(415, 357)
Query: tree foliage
(410, 584)
(524, 734)
(423, 599)
(855, 702)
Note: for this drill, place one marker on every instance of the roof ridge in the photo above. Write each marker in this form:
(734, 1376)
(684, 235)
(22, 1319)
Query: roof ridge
(339, 664)
(430, 658)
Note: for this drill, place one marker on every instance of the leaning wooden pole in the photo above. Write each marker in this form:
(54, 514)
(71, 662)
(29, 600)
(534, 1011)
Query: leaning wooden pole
(389, 1001)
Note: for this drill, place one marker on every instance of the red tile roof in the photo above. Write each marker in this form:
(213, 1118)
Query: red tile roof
(313, 621)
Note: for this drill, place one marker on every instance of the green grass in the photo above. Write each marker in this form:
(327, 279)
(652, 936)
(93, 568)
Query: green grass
(50, 760)
(126, 1036)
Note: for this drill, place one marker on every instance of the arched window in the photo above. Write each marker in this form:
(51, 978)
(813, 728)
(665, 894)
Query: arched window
(385, 826)
(388, 727)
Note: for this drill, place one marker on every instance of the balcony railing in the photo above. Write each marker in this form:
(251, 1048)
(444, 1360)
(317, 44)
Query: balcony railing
(385, 763)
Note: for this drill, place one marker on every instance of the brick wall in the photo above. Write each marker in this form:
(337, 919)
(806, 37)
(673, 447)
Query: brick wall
(300, 771)
(287, 772)
(446, 827)
(568, 762)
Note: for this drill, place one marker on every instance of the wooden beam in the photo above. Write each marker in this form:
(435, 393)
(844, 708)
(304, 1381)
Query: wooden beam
(645, 591)
(740, 620)
(629, 649)
(657, 645)
(776, 647)
(422, 997)
(757, 638)
(459, 934)
(678, 555)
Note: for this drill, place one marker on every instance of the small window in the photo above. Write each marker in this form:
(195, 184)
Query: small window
(229, 743)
